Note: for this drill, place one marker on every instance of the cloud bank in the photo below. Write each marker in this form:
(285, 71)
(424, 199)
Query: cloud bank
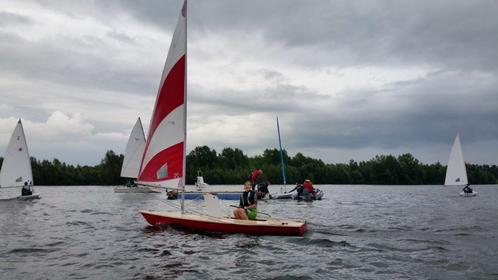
(347, 79)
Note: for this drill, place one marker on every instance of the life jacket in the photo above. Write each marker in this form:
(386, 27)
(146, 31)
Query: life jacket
(247, 199)
(255, 174)
(308, 186)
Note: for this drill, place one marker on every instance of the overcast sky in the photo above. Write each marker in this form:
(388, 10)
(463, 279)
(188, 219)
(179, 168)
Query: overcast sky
(348, 79)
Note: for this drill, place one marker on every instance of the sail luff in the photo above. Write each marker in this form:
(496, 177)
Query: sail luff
(30, 168)
(456, 172)
(282, 162)
(184, 174)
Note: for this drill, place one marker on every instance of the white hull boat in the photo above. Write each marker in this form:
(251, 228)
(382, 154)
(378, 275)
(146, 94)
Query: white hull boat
(29, 197)
(468, 194)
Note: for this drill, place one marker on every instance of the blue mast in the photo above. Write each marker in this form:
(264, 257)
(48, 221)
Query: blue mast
(281, 154)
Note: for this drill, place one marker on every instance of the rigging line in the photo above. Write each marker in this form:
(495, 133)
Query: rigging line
(194, 212)
(167, 202)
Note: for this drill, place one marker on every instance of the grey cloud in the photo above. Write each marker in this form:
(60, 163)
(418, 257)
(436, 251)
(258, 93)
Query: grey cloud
(453, 34)
(7, 18)
(121, 37)
(431, 110)
(75, 61)
(279, 98)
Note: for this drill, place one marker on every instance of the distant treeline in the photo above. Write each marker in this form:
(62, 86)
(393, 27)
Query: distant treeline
(232, 166)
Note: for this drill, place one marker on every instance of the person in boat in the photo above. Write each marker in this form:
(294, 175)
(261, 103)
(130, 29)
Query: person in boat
(26, 189)
(248, 204)
(299, 188)
(256, 173)
(131, 184)
(172, 194)
(467, 189)
(308, 190)
(263, 190)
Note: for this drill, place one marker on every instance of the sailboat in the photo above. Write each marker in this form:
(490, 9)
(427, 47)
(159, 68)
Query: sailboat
(16, 167)
(132, 160)
(164, 156)
(283, 192)
(456, 172)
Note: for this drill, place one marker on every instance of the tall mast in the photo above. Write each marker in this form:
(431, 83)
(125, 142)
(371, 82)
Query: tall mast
(281, 154)
(184, 178)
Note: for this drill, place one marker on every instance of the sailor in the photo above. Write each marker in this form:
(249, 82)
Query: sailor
(26, 189)
(263, 190)
(299, 188)
(247, 205)
(254, 177)
(467, 189)
(308, 190)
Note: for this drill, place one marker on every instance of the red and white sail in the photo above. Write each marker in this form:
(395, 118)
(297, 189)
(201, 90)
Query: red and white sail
(163, 161)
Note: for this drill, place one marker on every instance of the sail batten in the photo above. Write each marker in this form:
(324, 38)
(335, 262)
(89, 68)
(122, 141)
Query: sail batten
(456, 172)
(163, 160)
(16, 166)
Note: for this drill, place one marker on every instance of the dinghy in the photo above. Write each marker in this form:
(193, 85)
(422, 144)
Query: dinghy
(205, 223)
(164, 158)
(132, 160)
(283, 190)
(214, 220)
(316, 196)
(473, 193)
(16, 167)
(456, 172)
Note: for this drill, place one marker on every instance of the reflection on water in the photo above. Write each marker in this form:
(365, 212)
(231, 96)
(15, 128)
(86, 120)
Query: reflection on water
(373, 232)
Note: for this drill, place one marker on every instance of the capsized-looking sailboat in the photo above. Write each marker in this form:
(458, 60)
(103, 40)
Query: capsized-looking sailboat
(456, 172)
(164, 156)
(283, 192)
(132, 160)
(290, 195)
(16, 167)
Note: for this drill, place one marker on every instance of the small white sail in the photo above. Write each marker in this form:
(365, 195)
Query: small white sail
(16, 167)
(456, 173)
(134, 151)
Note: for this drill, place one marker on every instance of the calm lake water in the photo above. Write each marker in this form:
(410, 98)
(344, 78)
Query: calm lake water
(356, 232)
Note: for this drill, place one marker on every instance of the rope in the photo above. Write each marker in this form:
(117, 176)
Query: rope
(192, 211)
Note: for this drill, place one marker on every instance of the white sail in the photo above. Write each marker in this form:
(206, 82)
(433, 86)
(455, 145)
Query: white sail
(16, 167)
(134, 151)
(456, 173)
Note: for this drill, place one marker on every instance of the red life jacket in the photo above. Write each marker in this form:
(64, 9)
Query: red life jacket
(308, 186)
(255, 174)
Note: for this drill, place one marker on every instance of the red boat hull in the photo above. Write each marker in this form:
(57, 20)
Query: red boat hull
(226, 225)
